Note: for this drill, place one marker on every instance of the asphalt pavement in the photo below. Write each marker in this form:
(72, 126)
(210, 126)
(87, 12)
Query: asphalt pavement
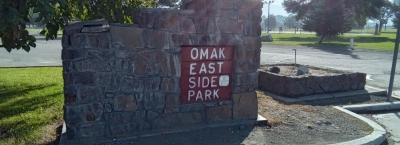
(375, 63)
(46, 53)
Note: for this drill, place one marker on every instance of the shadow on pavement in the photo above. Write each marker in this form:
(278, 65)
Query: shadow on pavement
(334, 48)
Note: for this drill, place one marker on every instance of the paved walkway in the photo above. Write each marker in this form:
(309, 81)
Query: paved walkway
(376, 64)
(391, 122)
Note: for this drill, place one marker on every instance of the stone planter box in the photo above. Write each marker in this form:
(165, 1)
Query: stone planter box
(317, 81)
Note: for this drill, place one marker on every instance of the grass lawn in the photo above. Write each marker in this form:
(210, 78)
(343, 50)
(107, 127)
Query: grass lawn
(31, 103)
(383, 42)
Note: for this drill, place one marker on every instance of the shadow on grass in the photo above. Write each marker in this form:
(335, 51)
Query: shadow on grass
(24, 105)
(15, 103)
(9, 92)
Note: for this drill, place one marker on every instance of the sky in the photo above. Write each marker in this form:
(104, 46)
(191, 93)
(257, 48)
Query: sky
(276, 8)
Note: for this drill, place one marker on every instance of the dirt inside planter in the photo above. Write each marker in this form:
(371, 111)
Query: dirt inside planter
(293, 70)
(304, 124)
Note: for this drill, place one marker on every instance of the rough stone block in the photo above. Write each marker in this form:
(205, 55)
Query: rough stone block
(89, 94)
(252, 28)
(176, 40)
(171, 103)
(146, 63)
(154, 101)
(227, 4)
(252, 42)
(187, 26)
(205, 25)
(92, 130)
(208, 39)
(97, 41)
(156, 39)
(250, 9)
(77, 40)
(248, 66)
(125, 129)
(169, 84)
(125, 103)
(245, 79)
(81, 114)
(124, 117)
(165, 64)
(151, 115)
(127, 37)
(151, 84)
(84, 78)
(229, 26)
(178, 120)
(219, 114)
(245, 106)
(230, 39)
(202, 8)
(70, 94)
(167, 22)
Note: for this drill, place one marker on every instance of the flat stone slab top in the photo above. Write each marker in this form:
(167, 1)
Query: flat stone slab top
(292, 80)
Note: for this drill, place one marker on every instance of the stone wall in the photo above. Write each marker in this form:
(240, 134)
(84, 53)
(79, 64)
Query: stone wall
(305, 85)
(123, 80)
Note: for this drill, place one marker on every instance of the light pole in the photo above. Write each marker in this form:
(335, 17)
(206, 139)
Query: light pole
(395, 54)
(269, 4)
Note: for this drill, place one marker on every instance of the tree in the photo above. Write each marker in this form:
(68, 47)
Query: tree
(332, 17)
(386, 12)
(272, 22)
(264, 23)
(280, 20)
(396, 10)
(55, 14)
(169, 3)
(291, 22)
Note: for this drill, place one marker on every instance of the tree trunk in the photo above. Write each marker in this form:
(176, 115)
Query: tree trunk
(376, 29)
(380, 26)
(385, 27)
(321, 39)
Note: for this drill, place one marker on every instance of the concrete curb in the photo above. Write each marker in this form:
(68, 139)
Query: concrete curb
(368, 90)
(375, 138)
(397, 97)
(386, 106)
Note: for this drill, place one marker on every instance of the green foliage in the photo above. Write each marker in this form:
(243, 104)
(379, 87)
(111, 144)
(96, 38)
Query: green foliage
(386, 12)
(333, 17)
(55, 14)
(115, 11)
(272, 22)
(291, 22)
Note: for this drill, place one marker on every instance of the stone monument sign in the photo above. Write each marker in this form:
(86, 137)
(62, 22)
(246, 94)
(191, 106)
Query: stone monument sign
(173, 69)
(206, 73)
